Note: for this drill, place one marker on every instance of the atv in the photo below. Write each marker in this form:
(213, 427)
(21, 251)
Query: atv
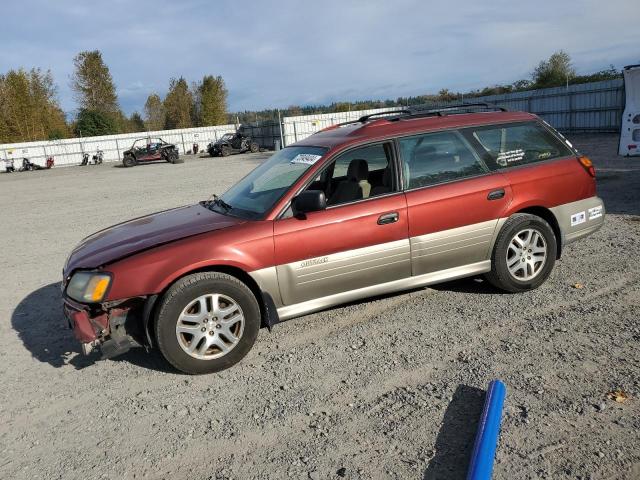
(232, 143)
(149, 150)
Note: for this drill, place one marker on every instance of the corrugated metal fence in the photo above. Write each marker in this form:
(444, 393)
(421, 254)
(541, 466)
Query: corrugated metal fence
(588, 107)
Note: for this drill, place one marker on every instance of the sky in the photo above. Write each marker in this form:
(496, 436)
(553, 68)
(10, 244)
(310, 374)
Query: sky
(273, 54)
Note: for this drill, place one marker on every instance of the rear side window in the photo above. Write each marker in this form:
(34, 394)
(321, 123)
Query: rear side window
(436, 158)
(516, 144)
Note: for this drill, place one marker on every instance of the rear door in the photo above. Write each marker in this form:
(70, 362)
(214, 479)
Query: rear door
(540, 168)
(454, 202)
(359, 241)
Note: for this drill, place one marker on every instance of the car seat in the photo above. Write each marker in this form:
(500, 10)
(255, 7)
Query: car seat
(356, 186)
(385, 187)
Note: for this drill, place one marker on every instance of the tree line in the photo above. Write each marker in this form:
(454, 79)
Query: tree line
(29, 109)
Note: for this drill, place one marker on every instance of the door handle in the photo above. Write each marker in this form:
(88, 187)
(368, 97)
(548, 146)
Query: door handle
(388, 218)
(496, 194)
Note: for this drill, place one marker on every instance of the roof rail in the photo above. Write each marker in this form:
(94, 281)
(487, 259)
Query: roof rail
(458, 107)
(366, 118)
(412, 112)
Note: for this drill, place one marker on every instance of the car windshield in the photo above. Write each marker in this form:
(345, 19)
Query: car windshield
(257, 193)
(227, 136)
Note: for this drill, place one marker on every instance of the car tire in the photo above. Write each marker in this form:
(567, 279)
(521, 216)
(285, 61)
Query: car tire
(523, 255)
(182, 311)
(175, 158)
(255, 148)
(225, 151)
(129, 161)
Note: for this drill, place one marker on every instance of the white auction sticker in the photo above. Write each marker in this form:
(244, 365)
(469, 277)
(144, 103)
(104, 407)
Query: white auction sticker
(578, 218)
(509, 157)
(595, 212)
(306, 158)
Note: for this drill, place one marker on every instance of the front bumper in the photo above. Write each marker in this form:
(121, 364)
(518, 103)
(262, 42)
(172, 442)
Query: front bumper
(113, 330)
(87, 326)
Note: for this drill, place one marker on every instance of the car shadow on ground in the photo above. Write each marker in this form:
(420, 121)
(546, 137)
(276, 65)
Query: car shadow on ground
(475, 285)
(45, 333)
(454, 443)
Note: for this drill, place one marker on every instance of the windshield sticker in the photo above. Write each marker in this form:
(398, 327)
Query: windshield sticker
(578, 218)
(306, 158)
(511, 156)
(595, 212)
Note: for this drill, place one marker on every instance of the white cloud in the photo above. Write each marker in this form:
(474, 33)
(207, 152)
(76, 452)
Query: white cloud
(290, 52)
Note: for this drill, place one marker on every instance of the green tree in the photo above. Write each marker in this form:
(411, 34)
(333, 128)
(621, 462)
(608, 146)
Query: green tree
(93, 84)
(178, 105)
(154, 116)
(553, 72)
(211, 101)
(136, 124)
(91, 123)
(28, 107)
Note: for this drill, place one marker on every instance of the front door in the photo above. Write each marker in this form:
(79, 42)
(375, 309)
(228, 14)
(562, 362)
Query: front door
(360, 240)
(454, 202)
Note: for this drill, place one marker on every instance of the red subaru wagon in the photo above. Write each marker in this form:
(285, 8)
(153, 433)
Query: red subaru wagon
(387, 203)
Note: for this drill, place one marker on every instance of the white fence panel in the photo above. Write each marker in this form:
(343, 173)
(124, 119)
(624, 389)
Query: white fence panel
(297, 128)
(69, 150)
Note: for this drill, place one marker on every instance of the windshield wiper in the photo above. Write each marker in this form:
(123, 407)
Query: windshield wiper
(216, 200)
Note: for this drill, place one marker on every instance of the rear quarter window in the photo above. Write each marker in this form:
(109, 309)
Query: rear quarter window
(511, 145)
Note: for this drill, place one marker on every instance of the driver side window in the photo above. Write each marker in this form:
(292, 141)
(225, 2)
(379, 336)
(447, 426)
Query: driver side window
(358, 174)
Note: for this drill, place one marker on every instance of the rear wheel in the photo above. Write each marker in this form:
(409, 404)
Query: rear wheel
(173, 157)
(254, 148)
(207, 322)
(129, 161)
(523, 255)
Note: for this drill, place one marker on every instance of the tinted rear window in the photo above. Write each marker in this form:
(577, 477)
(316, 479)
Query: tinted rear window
(512, 145)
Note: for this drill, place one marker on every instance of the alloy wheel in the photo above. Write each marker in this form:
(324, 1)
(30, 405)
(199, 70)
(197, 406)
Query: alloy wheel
(210, 326)
(526, 254)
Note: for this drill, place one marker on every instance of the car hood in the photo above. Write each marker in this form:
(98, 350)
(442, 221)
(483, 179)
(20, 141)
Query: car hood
(146, 232)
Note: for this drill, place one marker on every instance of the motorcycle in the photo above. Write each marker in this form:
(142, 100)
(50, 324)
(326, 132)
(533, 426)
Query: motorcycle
(29, 166)
(97, 158)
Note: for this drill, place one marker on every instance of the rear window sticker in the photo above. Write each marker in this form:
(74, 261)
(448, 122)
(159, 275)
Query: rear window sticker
(306, 158)
(595, 212)
(510, 156)
(578, 218)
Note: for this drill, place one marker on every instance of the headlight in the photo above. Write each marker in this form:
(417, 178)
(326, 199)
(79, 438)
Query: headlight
(88, 287)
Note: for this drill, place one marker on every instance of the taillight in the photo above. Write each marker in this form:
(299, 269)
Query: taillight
(588, 166)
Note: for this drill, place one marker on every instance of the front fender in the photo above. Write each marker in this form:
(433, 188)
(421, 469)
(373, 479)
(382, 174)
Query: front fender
(248, 246)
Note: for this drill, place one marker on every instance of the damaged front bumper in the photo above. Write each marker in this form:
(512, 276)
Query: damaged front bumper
(113, 328)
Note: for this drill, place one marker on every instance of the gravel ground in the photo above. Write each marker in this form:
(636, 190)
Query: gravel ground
(386, 388)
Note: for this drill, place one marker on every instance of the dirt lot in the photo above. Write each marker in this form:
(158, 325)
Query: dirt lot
(387, 388)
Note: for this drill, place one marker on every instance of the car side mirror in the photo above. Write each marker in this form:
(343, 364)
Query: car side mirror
(309, 201)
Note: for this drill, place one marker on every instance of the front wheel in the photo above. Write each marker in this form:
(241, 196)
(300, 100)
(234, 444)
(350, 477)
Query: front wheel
(523, 255)
(254, 148)
(207, 322)
(129, 161)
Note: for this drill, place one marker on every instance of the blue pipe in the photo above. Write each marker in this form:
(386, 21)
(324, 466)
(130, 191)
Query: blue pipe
(484, 449)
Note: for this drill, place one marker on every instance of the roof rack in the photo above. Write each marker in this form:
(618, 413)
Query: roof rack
(455, 108)
(366, 118)
(413, 112)
(409, 113)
